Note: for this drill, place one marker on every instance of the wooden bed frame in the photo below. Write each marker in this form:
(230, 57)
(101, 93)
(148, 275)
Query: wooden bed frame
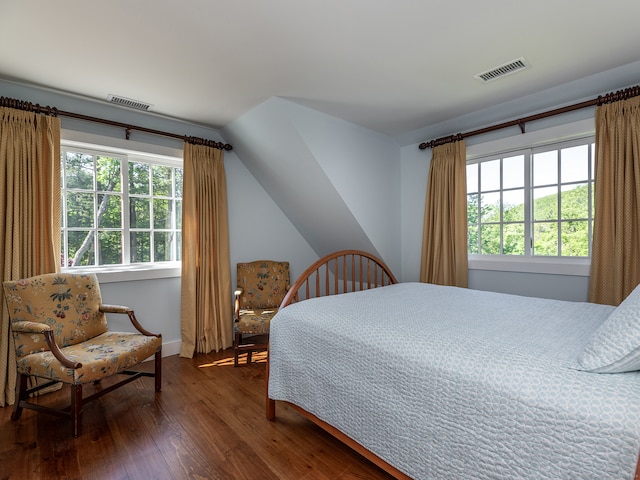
(342, 272)
(339, 272)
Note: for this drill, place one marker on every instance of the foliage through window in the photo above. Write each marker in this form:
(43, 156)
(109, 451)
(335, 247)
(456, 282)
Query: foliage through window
(119, 209)
(532, 203)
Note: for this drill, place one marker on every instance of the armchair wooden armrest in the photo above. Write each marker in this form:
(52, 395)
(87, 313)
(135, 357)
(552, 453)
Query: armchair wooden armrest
(236, 305)
(30, 327)
(132, 317)
(47, 331)
(115, 309)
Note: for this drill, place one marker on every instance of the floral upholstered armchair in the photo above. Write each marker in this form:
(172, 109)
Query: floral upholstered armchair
(60, 333)
(262, 286)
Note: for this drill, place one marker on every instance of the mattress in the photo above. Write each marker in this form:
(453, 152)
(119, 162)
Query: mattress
(444, 382)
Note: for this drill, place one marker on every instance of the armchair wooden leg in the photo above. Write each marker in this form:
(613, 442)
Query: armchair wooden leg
(21, 394)
(158, 371)
(76, 410)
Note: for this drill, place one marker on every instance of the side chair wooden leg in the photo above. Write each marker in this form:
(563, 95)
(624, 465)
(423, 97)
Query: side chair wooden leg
(158, 371)
(21, 394)
(76, 410)
(237, 338)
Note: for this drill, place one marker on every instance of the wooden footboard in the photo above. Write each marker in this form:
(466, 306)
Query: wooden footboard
(339, 272)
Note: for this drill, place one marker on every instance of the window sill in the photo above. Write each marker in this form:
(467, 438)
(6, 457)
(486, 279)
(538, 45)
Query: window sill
(130, 273)
(578, 266)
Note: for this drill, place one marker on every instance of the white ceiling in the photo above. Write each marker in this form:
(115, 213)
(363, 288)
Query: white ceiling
(394, 66)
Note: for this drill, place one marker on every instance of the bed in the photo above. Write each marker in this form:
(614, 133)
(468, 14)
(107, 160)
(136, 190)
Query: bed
(441, 382)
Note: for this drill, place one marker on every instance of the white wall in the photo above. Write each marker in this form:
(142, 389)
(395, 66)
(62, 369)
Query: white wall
(258, 230)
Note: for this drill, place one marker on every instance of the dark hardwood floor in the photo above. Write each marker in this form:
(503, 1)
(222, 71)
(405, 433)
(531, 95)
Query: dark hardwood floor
(207, 423)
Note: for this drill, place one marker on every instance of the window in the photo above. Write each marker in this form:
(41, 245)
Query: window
(532, 203)
(119, 209)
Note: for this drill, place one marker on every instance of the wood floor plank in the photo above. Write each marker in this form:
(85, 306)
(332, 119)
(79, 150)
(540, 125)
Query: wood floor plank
(208, 422)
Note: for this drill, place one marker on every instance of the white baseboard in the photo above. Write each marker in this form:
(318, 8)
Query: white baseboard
(168, 349)
(171, 348)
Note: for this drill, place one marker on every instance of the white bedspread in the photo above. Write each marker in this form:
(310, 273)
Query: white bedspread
(443, 382)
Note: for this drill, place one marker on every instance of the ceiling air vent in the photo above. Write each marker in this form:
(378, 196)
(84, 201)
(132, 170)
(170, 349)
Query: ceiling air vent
(128, 102)
(503, 70)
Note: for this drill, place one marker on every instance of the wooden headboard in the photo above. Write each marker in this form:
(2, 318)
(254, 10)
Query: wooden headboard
(340, 272)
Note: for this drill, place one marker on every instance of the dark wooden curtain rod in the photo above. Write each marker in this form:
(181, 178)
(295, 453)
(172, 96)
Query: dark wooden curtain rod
(600, 100)
(54, 112)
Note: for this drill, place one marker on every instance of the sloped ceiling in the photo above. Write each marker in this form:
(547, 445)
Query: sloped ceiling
(284, 161)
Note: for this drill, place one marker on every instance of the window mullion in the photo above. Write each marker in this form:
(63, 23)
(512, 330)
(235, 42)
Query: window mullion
(559, 201)
(528, 206)
(126, 224)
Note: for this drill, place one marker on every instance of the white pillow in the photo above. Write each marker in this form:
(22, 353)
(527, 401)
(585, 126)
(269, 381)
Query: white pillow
(615, 345)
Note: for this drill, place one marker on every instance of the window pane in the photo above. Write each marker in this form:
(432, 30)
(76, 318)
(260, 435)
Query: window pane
(110, 248)
(108, 170)
(574, 164)
(178, 246)
(139, 213)
(79, 171)
(575, 201)
(109, 211)
(545, 168)
(80, 210)
(545, 238)
(138, 178)
(161, 213)
(81, 248)
(140, 247)
(490, 237)
(513, 172)
(513, 239)
(162, 244)
(178, 180)
(161, 180)
(472, 178)
(179, 215)
(490, 175)
(490, 207)
(513, 206)
(545, 203)
(575, 238)
(472, 239)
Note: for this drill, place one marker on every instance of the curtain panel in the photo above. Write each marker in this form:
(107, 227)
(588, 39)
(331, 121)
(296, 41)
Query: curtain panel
(30, 212)
(615, 256)
(444, 244)
(206, 315)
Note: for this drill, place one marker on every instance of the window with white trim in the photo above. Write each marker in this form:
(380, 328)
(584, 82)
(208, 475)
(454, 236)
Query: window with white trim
(119, 209)
(530, 203)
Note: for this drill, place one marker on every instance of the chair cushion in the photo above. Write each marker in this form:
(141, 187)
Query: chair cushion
(104, 355)
(68, 303)
(254, 321)
(264, 283)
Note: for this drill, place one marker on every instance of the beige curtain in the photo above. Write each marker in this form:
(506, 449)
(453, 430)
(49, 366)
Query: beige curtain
(206, 314)
(444, 242)
(30, 211)
(615, 258)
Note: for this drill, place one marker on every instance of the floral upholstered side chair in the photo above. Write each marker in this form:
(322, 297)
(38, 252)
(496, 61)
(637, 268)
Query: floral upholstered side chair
(60, 333)
(262, 286)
